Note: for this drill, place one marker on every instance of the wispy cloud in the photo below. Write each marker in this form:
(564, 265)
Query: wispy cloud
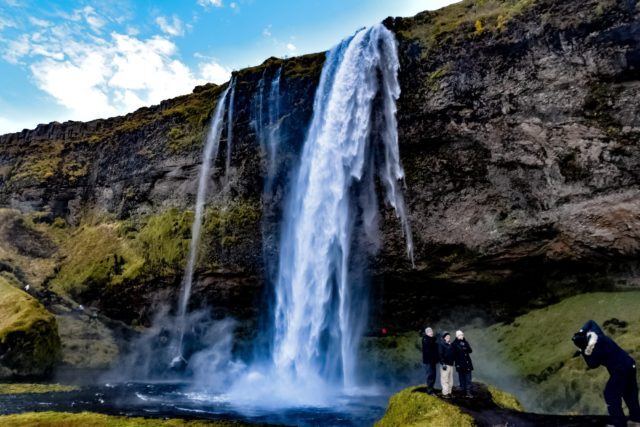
(210, 3)
(39, 22)
(172, 26)
(6, 23)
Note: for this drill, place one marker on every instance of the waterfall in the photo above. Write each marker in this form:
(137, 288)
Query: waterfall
(209, 154)
(331, 215)
(274, 127)
(232, 96)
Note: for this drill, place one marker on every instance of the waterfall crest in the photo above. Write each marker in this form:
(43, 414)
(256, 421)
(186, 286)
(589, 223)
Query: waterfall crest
(320, 310)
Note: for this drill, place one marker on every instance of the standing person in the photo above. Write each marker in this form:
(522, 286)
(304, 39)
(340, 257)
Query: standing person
(464, 366)
(430, 357)
(445, 354)
(600, 350)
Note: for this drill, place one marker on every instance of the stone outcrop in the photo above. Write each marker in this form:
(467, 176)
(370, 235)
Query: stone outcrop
(29, 341)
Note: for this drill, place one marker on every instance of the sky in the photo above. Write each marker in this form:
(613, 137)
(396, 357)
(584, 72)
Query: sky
(87, 59)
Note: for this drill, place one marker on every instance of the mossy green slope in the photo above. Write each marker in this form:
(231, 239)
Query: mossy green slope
(503, 399)
(411, 407)
(28, 334)
(90, 419)
(537, 347)
(25, 388)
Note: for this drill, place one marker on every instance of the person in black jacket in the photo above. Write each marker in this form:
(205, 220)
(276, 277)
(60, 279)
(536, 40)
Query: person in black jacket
(464, 366)
(600, 350)
(430, 357)
(445, 355)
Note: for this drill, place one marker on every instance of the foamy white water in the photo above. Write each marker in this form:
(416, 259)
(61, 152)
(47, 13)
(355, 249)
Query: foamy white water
(330, 227)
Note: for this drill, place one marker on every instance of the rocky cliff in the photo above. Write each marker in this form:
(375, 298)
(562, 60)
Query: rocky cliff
(519, 134)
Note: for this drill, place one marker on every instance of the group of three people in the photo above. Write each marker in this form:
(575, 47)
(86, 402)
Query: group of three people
(441, 350)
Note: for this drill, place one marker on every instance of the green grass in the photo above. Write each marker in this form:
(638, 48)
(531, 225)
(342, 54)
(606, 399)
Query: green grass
(28, 330)
(537, 350)
(412, 408)
(90, 419)
(95, 256)
(467, 19)
(24, 388)
(105, 253)
(164, 241)
(504, 399)
(228, 225)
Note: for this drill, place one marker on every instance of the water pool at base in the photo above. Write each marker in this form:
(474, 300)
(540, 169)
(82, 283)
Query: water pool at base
(179, 400)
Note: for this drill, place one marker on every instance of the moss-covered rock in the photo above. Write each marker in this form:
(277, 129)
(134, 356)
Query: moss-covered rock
(503, 399)
(410, 407)
(90, 419)
(29, 341)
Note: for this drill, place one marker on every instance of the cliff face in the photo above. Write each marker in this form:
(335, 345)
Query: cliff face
(519, 133)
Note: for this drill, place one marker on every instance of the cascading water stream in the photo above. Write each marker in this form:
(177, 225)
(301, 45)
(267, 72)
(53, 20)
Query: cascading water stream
(209, 154)
(232, 97)
(318, 317)
(274, 128)
(330, 226)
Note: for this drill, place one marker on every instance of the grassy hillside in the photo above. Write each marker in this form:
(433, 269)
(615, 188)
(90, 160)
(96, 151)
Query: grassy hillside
(532, 356)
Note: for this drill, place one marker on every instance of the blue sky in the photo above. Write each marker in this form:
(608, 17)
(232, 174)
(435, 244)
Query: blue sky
(80, 60)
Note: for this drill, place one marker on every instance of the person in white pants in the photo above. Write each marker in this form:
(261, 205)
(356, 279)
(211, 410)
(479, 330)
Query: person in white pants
(445, 352)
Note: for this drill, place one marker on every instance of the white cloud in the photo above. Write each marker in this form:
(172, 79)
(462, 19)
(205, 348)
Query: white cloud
(6, 23)
(16, 49)
(233, 5)
(92, 74)
(267, 31)
(102, 77)
(39, 22)
(173, 26)
(214, 72)
(90, 16)
(11, 125)
(208, 3)
(291, 47)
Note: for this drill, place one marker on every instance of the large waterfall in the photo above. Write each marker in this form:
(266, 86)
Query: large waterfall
(319, 316)
(330, 223)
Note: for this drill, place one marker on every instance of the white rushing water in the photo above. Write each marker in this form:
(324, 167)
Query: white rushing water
(209, 154)
(330, 227)
(274, 128)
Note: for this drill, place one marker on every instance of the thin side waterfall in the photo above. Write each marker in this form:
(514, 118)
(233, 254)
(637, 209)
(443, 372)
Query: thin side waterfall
(331, 216)
(209, 154)
(232, 97)
(274, 128)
